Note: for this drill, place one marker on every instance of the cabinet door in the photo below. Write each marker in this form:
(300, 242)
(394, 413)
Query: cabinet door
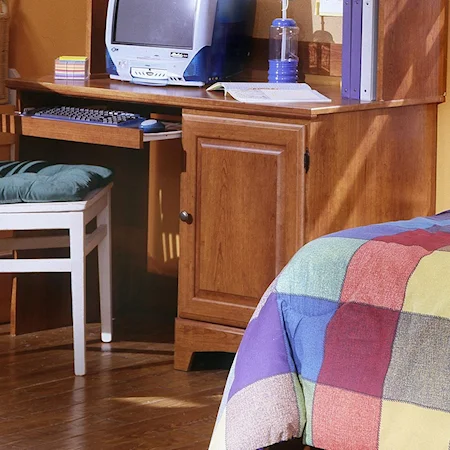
(242, 199)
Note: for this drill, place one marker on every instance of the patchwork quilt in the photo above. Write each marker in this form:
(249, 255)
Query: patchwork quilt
(349, 348)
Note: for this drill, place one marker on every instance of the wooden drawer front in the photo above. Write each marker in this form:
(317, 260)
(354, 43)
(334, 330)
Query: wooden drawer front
(243, 187)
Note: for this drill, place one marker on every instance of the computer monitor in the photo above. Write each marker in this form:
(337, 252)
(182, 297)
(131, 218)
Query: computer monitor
(180, 42)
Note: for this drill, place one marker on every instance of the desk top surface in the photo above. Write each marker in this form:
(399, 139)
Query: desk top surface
(199, 98)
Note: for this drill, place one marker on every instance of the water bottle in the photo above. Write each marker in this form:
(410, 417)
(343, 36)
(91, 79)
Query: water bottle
(283, 51)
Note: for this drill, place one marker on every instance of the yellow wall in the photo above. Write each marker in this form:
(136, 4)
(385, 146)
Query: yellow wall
(443, 156)
(42, 30)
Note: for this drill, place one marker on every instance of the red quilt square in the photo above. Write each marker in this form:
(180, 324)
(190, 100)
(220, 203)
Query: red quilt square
(423, 238)
(358, 347)
(378, 273)
(345, 420)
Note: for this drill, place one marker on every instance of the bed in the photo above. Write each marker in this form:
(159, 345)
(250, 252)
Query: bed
(349, 347)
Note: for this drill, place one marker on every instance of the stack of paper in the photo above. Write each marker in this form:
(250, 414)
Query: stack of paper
(270, 92)
(71, 67)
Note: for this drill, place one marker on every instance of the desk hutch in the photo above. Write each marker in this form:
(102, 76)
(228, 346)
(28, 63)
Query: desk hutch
(259, 181)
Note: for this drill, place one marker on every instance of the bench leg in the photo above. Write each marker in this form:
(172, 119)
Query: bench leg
(104, 273)
(78, 284)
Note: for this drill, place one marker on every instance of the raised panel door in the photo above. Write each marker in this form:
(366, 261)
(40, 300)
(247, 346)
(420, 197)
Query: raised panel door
(243, 198)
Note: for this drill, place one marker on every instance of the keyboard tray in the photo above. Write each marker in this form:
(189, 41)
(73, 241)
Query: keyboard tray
(92, 133)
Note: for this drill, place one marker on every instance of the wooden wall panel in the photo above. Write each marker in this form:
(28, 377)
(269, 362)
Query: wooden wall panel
(163, 246)
(370, 167)
(412, 49)
(95, 35)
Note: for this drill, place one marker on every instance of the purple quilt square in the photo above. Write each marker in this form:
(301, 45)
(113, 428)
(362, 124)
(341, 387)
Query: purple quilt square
(439, 229)
(262, 352)
(369, 232)
(358, 346)
(422, 238)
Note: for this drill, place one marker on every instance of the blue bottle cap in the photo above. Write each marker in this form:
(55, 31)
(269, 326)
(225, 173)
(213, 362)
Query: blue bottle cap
(284, 23)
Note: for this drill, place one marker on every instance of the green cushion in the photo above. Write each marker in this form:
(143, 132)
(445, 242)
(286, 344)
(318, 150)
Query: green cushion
(41, 181)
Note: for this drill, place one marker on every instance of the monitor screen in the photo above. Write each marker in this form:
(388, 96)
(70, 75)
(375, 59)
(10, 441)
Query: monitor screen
(160, 23)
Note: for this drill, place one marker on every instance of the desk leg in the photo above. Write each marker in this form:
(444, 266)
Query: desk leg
(7, 151)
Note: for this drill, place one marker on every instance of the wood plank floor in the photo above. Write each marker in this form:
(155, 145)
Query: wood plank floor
(131, 397)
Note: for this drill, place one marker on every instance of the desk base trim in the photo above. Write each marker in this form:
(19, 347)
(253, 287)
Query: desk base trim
(194, 336)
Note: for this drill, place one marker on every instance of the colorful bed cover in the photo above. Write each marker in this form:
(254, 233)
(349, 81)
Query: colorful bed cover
(349, 347)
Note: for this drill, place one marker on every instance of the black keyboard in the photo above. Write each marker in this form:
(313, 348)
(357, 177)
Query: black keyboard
(86, 115)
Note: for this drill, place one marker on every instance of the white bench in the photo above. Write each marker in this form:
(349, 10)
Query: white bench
(72, 216)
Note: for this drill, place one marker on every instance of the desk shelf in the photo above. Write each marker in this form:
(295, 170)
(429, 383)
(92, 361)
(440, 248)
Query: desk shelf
(173, 131)
(164, 136)
(92, 134)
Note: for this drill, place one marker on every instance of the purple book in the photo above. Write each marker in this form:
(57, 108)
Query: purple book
(346, 47)
(355, 53)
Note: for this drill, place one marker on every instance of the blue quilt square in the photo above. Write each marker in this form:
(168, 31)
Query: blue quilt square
(305, 321)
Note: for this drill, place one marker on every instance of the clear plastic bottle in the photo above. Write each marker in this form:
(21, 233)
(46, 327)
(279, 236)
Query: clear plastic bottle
(283, 51)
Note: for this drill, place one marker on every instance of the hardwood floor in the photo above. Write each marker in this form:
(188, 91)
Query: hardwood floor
(131, 398)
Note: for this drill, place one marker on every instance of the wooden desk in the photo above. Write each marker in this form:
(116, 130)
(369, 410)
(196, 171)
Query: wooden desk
(259, 181)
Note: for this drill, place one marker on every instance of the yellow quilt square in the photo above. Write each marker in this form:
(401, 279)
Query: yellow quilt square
(407, 426)
(428, 288)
